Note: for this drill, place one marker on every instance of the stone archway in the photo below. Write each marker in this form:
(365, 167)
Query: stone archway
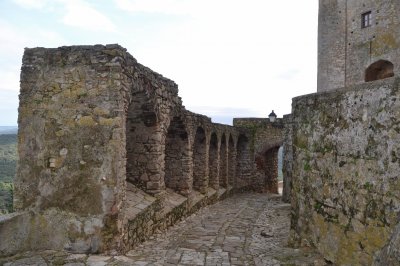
(266, 162)
(177, 159)
(200, 175)
(213, 163)
(271, 170)
(380, 69)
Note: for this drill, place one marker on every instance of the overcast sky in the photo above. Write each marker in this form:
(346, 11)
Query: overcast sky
(230, 58)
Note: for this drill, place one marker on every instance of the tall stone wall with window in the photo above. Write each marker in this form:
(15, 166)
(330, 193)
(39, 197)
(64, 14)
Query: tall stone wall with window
(352, 36)
(345, 185)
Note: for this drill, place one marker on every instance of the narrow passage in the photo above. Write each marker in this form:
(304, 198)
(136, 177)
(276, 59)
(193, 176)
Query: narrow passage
(245, 229)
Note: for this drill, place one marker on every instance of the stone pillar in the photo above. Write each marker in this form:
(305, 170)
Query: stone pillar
(213, 164)
(223, 169)
(71, 147)
(287, 158)
(271, 170)
(178, 158)
(231, 163)
(200, 162)
(244, 165)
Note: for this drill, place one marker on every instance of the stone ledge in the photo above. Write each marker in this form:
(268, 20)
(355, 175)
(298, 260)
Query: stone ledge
(157, 214)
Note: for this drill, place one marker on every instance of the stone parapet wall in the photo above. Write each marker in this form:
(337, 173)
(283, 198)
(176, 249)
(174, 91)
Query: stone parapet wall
(345, 185)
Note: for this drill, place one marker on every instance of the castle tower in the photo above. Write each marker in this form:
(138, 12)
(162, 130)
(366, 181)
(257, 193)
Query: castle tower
(358, 41)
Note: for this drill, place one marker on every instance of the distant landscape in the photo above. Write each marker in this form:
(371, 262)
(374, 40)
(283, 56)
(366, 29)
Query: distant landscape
(8, 160)
(8, 130)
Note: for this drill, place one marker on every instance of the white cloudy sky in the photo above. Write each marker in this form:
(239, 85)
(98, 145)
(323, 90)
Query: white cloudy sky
(230, 58)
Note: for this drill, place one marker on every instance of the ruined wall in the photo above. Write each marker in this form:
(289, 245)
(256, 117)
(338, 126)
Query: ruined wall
(345, 187)
(70, 146)
(263, 140)
(346, 49)
(108, 155)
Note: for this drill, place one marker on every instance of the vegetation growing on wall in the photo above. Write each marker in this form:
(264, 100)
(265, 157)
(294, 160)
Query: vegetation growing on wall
(8, 159)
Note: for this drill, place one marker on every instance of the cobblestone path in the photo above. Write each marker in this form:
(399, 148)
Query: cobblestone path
(246, 229)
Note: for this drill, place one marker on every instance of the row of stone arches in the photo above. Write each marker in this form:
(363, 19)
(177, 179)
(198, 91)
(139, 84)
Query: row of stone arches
(174, 154)
(208, 162)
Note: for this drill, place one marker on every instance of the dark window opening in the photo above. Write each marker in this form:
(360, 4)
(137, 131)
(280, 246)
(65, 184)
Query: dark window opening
(366, 19)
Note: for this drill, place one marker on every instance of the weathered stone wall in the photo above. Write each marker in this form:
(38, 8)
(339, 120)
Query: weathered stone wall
(345, 192)
(245, 162)
(71, 144)
(109, 155)
(287, 167)
(346, 49)
(331, 44)
(263, 141)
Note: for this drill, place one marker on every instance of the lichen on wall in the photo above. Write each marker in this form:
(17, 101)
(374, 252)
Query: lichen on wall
(345, 193)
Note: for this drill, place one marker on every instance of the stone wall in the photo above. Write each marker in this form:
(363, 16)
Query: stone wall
(263, 140)
(108, 155)
(346, 49)
(287, 167)
(345, 192)
(71, 145)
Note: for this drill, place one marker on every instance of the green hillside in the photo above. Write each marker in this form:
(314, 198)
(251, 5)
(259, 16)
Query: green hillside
(8, 160)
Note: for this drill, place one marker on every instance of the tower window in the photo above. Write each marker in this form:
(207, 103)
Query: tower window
(366, 19)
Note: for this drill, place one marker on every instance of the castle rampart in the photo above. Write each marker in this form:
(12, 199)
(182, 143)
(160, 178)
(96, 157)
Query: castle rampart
(108, 155)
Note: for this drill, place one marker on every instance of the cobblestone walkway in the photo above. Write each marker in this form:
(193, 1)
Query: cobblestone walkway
(246, 229)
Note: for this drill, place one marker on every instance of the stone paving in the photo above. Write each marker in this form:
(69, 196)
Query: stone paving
(246, 229)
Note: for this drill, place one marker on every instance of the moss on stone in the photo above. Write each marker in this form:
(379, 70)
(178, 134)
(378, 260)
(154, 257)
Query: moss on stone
(301, 141)
(86, 121)
(307, 166)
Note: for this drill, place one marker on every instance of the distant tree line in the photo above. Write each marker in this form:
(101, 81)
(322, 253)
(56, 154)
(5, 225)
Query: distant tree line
(8, 161)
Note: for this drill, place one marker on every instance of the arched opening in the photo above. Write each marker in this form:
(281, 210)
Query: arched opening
(244, 163)
(271, 170)
(223, 174)
(379, 70)
(213, 162)
(199, 161)
(177, 159)
(231, 163)
(143, 145)
(267, 169)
